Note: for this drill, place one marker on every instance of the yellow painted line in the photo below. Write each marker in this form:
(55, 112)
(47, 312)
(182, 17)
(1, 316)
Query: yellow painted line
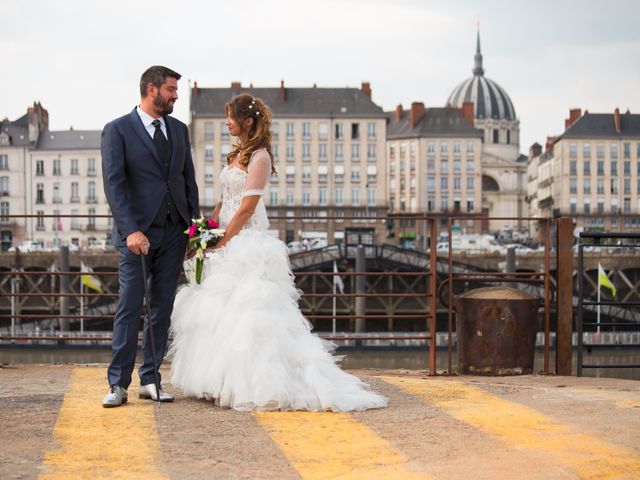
(621, 398)
(97, 442)
(520, 426)
(327, 445)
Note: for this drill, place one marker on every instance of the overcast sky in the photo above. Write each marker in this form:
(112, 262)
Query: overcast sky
(82, 59)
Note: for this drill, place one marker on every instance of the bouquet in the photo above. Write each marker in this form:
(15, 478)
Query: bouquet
(203, 233)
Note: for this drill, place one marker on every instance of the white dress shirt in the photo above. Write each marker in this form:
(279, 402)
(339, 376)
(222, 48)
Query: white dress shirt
(147, 121)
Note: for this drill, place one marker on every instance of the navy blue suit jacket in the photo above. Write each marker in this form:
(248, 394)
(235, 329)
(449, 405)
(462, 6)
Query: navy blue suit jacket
(133, 179)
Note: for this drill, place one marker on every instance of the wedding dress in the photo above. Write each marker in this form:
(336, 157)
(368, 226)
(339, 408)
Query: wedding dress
(239, 337)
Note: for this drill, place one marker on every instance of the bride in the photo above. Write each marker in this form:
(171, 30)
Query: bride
(239, 338)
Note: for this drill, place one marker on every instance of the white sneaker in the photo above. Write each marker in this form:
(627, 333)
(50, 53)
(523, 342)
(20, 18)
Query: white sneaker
(149, 392)
(115, 397)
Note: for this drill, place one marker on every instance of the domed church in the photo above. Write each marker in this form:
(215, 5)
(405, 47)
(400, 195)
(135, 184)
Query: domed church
(503, 168)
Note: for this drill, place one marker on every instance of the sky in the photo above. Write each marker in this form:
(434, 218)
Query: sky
(82, 59)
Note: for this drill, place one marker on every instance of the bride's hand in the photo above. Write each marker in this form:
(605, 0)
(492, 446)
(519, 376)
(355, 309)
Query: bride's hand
(189, 255)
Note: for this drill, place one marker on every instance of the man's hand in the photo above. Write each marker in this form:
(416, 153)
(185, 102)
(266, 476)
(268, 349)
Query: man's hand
(138, 243)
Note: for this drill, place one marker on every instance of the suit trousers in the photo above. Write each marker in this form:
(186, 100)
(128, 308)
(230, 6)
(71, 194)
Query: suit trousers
(164, 264)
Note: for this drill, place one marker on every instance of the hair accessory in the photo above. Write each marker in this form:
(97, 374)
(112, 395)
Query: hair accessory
(257, 112)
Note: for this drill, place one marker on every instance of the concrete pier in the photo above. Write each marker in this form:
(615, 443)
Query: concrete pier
(53, 426)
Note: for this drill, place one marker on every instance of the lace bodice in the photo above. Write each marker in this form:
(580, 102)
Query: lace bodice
(236, 184)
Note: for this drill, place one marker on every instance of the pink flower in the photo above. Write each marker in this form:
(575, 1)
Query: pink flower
(192, 230)
(211, 223)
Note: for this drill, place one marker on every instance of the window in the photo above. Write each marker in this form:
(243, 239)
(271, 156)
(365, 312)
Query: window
(225, 148)
(600, 186)
(91, 167)
(339, 131)
(444, 184)
(91, 220)
(469, 148)
(456, 148)
(444, 167)
(574, 205)
(4, 185)
(306, 151)
(431, 184)
(40, 220)
(75, 196)
(372, 174)
(573, 185)
(74, 166)
(290, 173)
(371, 196)
(306, 197)
(614, 167)
(586, 168)
(338, 173)
(322, 151)
(75, 221)
(224, 131)
(4, 162)
(573, 150)
(56, 166)
(339, 197)
(4, 211)
(208, 153)
(355, 131)
(306, 173)
(573, 167)
(496, 136)
(289, 197)
(614, 185)
(626, 168)
(339, 152)
(274, 150)
(613, 150)
(91, 197)
(469, 184)
(371, 151)
(322, 173)
(586, 150)
(587, 206)
(355, 196)
(306, 130)
(275, 130)
(431, 165)
(355, 151)
(470, 166)
(444, 147)
(208, 173)
(290, 152)
(208, 130)
(40, 168)
(470, 206)
(508, 136)
(600, 206)
(444, 203)
(431, 204)
(273, 196)
(626, 186)
(600, 168)
(322, 195)
(431, 147)
(456, 184)
(355, 175)
(40, 193)
(614, 206)
(600, 150)
(586, 186)
(626, 205)
(371, 131)
(626, 148)
(323, 131)
(456, 165)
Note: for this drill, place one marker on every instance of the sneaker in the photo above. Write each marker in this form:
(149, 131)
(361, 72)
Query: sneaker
(115, 397)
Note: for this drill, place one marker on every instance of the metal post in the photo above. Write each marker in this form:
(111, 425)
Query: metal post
(580, 299)
(511, 260)
(361, 266)
(64, 288)
(14, 282)
(81, 306)
(564, 328)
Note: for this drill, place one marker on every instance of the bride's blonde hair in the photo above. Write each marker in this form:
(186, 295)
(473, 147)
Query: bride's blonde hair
(258, 135)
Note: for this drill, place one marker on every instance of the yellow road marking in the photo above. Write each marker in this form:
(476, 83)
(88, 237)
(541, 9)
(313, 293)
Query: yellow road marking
(335, 445)
(524, 427)
(97, 442)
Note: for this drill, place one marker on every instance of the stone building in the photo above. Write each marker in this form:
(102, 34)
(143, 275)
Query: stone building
(329, 149)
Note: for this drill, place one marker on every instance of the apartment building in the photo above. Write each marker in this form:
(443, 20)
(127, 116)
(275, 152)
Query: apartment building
(329, 149)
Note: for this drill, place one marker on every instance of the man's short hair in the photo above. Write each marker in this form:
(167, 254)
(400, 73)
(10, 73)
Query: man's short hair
(156, 75)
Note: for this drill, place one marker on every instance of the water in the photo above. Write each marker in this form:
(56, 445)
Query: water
(407, 359)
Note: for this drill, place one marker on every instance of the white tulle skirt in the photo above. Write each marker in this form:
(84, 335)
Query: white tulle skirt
(240, 340)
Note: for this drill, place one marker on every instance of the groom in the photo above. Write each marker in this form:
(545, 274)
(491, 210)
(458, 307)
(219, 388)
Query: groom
(149, 181)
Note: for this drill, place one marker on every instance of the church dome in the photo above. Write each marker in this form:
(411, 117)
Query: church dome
(489, 99)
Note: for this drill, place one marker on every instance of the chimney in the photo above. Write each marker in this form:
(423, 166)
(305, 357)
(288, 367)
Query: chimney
(399, 113)
(236, 85)
(574, 114)
(283, 96)
(366, 88)
(549, 145)
(467, 112)
(416, 114)
(616, 119)
(195, 88)
(628, 112)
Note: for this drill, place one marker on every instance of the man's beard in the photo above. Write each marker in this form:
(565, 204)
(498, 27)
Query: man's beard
(162, 106)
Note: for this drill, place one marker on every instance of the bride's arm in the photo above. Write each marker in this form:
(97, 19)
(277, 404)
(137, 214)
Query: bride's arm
(216, 211)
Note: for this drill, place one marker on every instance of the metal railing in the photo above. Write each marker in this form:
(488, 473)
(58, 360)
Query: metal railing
(597, 239)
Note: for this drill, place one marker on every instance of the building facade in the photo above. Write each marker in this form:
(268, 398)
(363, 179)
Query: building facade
(595, 168)
(329, 149)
